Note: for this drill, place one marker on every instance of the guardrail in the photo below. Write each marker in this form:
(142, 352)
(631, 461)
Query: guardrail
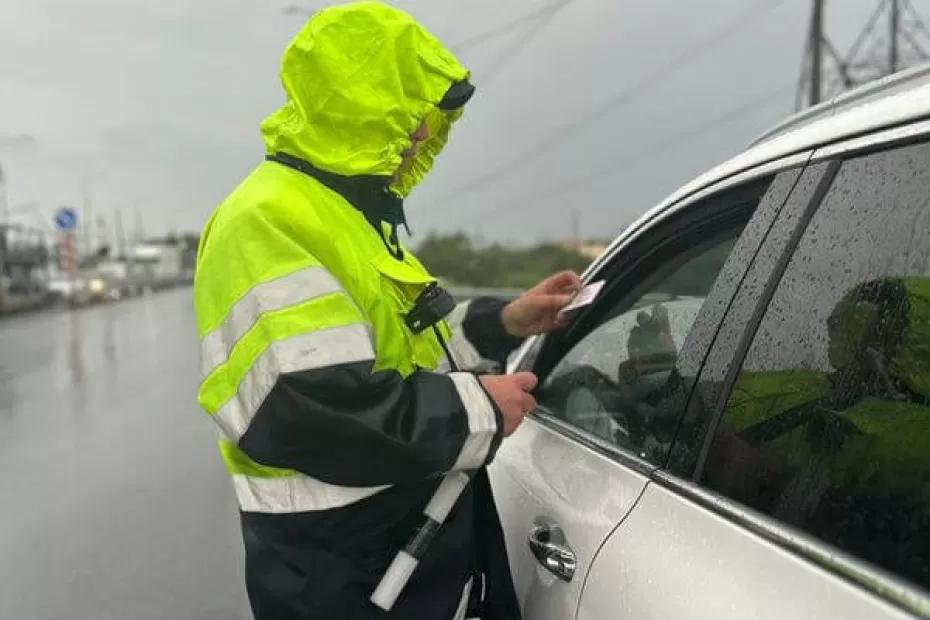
(462, 293)
(18, 303)
(11, 303)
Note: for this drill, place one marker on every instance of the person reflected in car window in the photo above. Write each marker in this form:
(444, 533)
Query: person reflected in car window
(650, 345)
(844, 453)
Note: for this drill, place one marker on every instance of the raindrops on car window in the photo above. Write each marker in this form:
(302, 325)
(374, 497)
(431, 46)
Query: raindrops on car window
(827, 426)
(627, 380)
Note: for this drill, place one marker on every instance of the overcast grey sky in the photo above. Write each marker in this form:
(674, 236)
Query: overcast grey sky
(154, 105)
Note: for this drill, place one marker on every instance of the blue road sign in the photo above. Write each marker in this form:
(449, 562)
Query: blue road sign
(66, 218)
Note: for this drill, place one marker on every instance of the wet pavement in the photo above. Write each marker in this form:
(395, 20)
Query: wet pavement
(113, 500)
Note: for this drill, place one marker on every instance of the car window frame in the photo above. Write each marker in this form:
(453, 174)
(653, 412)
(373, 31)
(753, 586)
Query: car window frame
(618, 273)
(803, 203)
(833, 156)
(676, 214)
(592, 319)
(861, 573)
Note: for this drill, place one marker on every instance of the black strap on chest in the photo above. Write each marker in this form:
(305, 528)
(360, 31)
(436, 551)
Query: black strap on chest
(370, 195)
(366, 192)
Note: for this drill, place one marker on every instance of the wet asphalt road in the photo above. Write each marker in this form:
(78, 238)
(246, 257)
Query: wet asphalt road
(113, 500)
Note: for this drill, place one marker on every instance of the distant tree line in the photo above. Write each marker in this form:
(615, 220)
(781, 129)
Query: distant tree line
(457, 260)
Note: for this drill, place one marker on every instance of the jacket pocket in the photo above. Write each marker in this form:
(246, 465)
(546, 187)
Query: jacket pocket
(401, 284)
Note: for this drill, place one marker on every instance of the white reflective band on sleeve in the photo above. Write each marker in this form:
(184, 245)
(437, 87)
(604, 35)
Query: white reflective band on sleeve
(298, 493)
(482, 423)
(326, 347)
(466, 356)
(463, 602)
(290, 290)
(465, 353)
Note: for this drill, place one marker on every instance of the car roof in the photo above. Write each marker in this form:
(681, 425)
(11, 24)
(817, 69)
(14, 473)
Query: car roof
(882, 104)
(891, 101)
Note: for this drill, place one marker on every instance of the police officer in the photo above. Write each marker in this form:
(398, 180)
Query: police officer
(338, 415)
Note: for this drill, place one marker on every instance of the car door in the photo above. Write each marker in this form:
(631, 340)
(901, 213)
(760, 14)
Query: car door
(797, 485)
(611, 387)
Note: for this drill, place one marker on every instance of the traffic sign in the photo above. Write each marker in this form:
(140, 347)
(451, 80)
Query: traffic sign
(66, 218)
(67, 252)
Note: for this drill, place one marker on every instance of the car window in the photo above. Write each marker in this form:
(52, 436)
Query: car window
(782, 215)
(827, 426)
(610, 381)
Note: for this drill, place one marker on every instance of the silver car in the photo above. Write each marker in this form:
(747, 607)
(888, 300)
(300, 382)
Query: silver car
(739, 425)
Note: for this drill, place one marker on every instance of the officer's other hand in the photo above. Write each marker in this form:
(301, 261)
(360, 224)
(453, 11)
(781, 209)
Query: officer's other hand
(537, 310)
(512, 395)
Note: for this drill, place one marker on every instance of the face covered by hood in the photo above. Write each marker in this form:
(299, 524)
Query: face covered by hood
(360, 79)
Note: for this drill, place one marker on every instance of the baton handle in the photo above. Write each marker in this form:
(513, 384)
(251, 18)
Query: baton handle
(405, 562)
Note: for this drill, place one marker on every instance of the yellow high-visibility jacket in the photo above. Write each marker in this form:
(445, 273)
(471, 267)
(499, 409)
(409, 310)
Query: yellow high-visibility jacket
(336, 419)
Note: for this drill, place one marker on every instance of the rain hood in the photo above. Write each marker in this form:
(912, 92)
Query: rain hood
(360, 78)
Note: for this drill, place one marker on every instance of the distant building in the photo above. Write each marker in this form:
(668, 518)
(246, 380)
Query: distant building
(160, 262)
(589, 248)
(24, 267)
(116, 268)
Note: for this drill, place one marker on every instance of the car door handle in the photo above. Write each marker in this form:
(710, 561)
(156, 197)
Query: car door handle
(547, 542)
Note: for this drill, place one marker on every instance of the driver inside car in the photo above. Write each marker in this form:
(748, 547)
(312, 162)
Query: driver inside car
(623, 408)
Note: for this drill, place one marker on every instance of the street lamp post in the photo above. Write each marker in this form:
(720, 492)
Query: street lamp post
(4, 216)
(4, 198)
(7, 140)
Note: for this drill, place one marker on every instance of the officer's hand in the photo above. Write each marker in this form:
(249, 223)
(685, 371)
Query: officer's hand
(512, 395)
(537, 310)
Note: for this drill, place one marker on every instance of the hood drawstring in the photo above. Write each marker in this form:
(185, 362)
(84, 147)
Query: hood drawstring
(367, 193)
(393, 213)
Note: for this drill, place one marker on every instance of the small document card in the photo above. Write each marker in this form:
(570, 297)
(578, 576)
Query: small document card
(583, 298)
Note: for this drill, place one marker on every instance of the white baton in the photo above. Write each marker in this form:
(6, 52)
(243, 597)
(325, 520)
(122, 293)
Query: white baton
(406, 560)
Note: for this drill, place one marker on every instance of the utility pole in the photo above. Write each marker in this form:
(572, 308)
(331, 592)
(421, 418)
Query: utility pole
(815, 47)
(87, 215)
(120, 233)
(4, 200)
(894, 19)
(825, 72)
(123, 252)
(4, 218)
(102, 235)
(14, 140)
(576, 229)
(140, 228)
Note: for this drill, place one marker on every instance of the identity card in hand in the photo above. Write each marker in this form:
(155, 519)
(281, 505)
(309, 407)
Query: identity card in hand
(582, 298)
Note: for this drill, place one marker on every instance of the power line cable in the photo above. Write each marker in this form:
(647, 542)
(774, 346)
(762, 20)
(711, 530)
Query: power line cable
(915, 44)
(920, 28)
(513, 50)
(507, 27)
(915, 15)
(645, 83)
(866, 32)
(669, 143)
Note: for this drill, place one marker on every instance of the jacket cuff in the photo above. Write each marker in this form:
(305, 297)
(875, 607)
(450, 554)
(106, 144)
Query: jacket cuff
(483, 326)
(499, 419)
(485, 423)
